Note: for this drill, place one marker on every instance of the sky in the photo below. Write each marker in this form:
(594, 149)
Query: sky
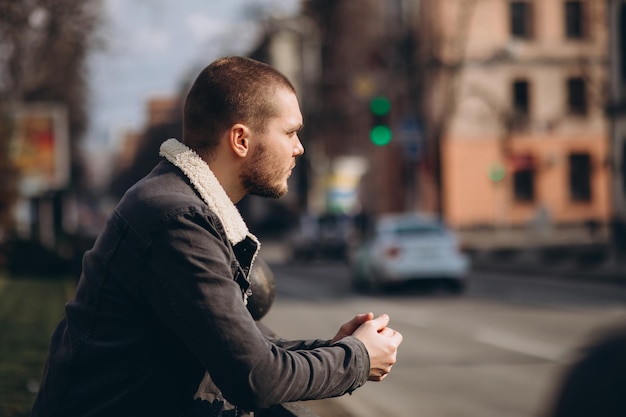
(152, 47)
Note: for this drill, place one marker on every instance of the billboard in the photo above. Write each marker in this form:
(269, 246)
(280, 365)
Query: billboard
(40, 149)
(342, 194)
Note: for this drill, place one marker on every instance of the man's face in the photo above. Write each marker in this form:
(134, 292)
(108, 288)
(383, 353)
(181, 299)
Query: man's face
(274, 152)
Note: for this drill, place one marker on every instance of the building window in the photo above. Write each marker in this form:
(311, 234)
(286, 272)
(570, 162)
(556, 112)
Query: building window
(520, 103)
(524, 185)
(576, 96)
(574, 19)
(521, 19)
(580, 177)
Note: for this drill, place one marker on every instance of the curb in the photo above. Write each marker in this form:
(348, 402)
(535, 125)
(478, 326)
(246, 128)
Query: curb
(611, 274)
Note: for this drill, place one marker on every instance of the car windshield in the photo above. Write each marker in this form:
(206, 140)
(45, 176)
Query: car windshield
(416, 229)
(410, 228)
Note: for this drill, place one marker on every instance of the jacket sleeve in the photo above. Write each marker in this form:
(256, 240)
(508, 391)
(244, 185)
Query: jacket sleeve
(301, 344)
(191, 289)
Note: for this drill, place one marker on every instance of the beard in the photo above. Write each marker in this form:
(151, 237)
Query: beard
(259, 176)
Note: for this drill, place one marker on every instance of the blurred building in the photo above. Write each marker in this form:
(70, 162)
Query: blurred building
(159, 110)
(514, 108)
(138, 151)
(163, 109)
(366, 51)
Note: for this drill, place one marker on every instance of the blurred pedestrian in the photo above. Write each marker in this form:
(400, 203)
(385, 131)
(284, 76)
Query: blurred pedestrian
(594, 385)
(159, 325)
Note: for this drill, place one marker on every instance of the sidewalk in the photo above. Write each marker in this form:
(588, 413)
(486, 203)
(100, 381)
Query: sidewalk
(590, 264)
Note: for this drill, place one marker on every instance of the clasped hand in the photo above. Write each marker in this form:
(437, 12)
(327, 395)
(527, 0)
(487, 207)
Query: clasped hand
(380, 341)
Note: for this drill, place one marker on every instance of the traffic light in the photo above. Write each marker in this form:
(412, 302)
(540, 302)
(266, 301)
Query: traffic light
(380, 131)
(496, 172)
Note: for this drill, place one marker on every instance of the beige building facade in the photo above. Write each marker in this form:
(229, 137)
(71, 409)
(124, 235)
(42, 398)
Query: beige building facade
(516, 101)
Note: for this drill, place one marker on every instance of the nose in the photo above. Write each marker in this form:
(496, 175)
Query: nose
(299, 148)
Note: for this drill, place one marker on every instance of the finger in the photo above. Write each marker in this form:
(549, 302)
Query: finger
(381, 322)
(387, 331)
(376, 378)
(379, 376)
(391, 333)
(362, 318)
(358, 320)
(397, 337)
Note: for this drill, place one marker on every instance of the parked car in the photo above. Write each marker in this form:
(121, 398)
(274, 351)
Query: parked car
(326, 236)
(408, 247)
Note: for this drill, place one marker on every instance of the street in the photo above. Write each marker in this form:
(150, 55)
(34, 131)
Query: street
(496, 351)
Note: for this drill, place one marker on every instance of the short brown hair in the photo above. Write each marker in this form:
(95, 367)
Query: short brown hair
(229, 90)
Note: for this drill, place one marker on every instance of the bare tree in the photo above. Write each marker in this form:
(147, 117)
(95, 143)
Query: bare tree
(43, 50)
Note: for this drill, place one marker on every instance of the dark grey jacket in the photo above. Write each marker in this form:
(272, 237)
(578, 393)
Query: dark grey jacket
(159, 320)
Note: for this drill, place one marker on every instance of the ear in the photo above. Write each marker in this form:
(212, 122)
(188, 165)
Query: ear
(239, 139)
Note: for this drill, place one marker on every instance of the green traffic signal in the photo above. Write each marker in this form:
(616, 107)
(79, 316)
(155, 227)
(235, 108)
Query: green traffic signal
(380, 105)
(380, 135)
(380, 132)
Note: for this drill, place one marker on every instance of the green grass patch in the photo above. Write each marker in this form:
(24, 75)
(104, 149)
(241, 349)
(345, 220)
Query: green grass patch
(30, 309)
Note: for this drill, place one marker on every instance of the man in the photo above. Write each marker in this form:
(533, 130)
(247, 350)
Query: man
(159, 325)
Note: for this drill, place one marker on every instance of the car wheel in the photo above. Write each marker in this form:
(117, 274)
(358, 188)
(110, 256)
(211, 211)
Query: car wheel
(364, 284)
(360, 285)
(455, 286)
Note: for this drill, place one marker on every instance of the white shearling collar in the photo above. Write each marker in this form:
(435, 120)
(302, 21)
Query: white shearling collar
(209, 188)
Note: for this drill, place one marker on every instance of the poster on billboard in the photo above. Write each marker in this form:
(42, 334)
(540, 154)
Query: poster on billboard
(40, 148)
(343, 184)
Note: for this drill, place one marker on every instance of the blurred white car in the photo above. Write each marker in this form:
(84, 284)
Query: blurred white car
(407, 247)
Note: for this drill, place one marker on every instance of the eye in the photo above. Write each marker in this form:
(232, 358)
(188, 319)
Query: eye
(294, 131)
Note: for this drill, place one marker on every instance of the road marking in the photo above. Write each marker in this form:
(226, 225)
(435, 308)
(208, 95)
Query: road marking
(520, 344)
